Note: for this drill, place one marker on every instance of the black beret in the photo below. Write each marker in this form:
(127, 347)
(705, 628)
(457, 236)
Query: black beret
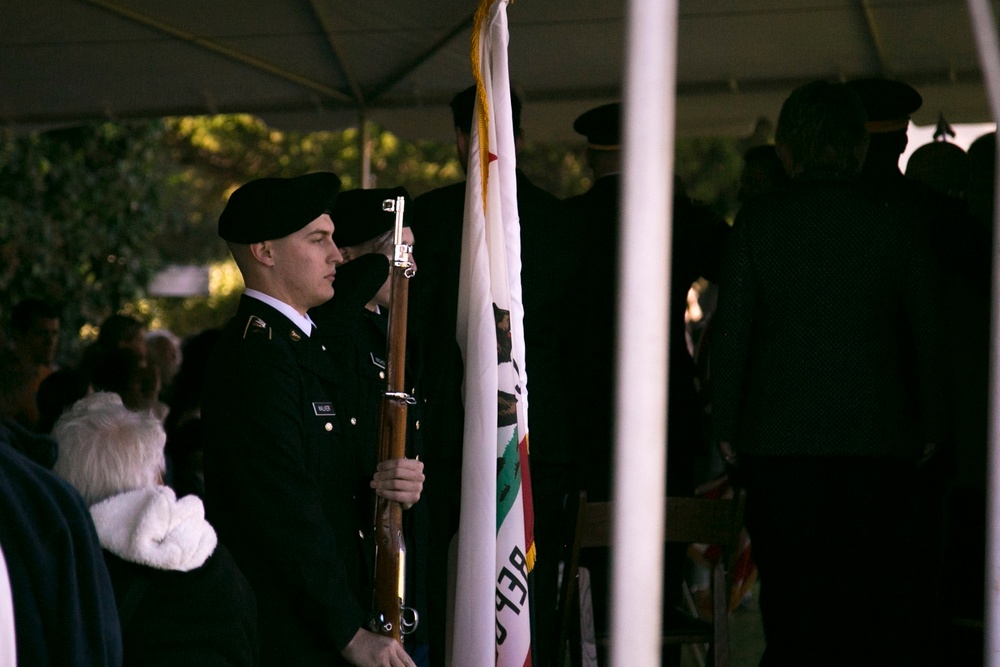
(358, 215)
(602, 126)
(273, 208)
(888, 103)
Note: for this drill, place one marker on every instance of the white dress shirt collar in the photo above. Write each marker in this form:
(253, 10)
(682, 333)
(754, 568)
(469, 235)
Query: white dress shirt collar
(303, 322)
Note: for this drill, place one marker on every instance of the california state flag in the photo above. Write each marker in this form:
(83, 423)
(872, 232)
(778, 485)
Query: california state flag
(495, 542)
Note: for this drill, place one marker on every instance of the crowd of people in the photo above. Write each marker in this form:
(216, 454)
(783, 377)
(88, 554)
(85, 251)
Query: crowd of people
(209, 501)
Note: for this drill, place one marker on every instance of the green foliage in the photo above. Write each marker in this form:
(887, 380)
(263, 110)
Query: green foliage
(79, 209)
(710, 169)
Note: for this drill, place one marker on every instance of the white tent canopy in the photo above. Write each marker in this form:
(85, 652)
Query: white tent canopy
(315, 64)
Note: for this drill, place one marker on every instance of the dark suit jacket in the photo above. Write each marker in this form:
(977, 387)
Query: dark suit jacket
(279, 486)
(828, 327)
(698, 241)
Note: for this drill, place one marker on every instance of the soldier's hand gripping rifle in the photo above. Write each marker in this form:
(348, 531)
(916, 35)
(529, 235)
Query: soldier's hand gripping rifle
(391, 618)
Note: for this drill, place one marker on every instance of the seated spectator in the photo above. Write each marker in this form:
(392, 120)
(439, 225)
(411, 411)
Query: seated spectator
(181, 599)
(163, 351)
(38, 448)
(34, 341)
(117, 332)
(56, 394)
(123, 372)
(125, 331)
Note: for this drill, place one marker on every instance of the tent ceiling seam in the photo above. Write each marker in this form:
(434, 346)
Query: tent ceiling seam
(401, 73)
(338, 54)
(225, 51)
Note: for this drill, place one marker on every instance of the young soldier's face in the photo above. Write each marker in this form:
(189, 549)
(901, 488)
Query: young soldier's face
(306, 262)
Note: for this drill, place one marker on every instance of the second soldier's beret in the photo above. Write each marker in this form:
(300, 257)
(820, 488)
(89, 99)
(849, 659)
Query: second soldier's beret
(358, 215)
(602, 126)
(273, 208)
(887, 103)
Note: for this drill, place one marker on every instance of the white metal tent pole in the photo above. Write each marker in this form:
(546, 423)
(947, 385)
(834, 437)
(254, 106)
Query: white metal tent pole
(984, 29)
(364, 151)
(643, 314)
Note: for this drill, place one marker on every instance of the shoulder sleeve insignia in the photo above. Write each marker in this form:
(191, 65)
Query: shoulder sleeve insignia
(256, 327)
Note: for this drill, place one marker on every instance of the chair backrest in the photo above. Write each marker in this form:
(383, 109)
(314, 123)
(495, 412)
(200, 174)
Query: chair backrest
(688, 520)
(709, 521)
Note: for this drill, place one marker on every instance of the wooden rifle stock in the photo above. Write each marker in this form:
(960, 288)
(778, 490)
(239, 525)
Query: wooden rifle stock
(390, 617)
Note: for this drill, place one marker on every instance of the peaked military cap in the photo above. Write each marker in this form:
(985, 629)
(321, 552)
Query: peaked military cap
(358, 215)
(273, 208)
(602, 126)
(888, 103)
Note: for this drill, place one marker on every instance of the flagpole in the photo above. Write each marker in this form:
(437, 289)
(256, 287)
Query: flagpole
(643, 298)
(984, 29)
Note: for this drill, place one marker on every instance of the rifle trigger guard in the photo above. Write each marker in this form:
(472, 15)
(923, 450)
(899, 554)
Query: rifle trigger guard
(408, 620)
(403, 396)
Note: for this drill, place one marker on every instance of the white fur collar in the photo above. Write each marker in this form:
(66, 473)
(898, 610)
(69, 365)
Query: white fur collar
(152, 527)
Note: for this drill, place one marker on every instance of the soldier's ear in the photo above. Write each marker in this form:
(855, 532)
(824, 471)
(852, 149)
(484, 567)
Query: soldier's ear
(263, 252)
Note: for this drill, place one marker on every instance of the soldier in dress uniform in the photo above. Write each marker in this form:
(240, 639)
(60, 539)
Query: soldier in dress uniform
(353, 326)
(278, 467)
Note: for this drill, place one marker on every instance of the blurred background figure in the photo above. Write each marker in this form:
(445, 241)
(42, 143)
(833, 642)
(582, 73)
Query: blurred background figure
(982, 178)
(941, 166)
(123, 331)
(163, 351)
(57, 393)
(33, 344)
(762, 172)
(181, 598)
(125, 373)
(185, 468)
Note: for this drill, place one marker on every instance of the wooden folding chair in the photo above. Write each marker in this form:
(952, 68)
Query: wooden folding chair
(689, 520)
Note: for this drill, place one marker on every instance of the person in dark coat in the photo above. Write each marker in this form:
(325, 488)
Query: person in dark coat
(353, 327)
(64, 605)
(181, 599)
(547, 262)
(278, 474)
(827, 394)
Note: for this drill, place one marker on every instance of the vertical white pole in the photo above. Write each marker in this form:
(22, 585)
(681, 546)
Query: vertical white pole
(643, 314)
(365, 179)
(984, 29)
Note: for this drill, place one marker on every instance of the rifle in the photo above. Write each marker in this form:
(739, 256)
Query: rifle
(390, 617)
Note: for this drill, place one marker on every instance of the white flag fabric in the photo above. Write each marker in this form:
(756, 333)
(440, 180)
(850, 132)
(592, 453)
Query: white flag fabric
(495, 543)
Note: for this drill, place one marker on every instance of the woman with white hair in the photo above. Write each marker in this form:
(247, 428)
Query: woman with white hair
(181, 599)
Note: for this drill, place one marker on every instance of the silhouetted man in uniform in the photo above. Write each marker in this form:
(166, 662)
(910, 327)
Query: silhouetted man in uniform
(699, 239)
(963, 250)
